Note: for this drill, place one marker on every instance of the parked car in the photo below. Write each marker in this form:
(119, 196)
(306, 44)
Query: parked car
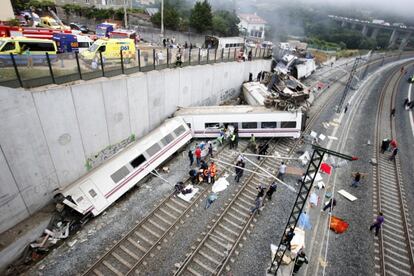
(78, 27)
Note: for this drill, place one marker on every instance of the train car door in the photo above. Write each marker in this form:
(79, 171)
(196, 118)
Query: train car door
(94, 196)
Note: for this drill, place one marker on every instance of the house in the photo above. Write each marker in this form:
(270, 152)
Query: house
(252, 26)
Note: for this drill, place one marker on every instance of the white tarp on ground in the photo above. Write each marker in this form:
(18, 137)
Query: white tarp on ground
(220, 185)
(189, 196)
(298, 241)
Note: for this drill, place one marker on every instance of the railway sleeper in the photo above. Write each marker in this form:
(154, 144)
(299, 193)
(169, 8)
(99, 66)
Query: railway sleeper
(137, 245)
(163, 219)
(240, 205)
(112, 268)
(224, 236)
(153, 231)
(396, 269)
(228, 220)
(228, 229)
(179, 202)
(246, 215)
(220, 242)
(98, 272)
(203, 265)
(157, 225)
(121, 260)
(209, 257)
(230, 213)
(214, 249)
(193, 271)
(141, 236)
(129, 252)
(174, 208)
(168, 213)
(397, 256)
(395, 248)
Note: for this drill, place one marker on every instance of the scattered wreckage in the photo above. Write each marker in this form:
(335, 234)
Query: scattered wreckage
(277, 90)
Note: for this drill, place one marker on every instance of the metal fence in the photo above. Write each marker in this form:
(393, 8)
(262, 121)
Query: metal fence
(21, 70)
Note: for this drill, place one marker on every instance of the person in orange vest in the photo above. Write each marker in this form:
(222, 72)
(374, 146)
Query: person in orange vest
(212, 172)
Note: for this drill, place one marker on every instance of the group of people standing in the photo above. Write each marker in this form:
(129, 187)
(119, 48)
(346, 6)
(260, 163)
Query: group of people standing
(205, 173)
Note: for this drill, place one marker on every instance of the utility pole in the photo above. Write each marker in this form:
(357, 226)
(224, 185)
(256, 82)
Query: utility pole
(162, 19)
(304, 190)
(348, 84)
(125, 14)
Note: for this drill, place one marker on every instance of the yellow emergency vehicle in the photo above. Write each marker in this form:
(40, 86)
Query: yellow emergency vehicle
(26, 49)
(49, 22)
(110, 49)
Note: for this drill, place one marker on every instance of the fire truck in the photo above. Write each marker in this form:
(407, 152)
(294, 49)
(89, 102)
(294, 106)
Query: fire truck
(42, 33)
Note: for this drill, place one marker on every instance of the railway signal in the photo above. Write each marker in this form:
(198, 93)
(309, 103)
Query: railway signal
(304, 190)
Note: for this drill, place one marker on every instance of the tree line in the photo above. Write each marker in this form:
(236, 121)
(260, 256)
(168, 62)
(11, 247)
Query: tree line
(200, 18)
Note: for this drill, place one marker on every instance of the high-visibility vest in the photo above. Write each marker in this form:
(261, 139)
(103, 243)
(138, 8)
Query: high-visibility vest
(213, 170)
(233, 137)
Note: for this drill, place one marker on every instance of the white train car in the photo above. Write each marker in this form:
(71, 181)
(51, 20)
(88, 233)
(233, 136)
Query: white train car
(206, 121)
(102, 186)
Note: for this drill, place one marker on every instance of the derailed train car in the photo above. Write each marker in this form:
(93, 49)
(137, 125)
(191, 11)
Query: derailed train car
(102, 186)
(206, 121)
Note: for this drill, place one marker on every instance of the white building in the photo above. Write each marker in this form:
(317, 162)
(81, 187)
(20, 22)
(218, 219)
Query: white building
(6, 11)
(252, 26)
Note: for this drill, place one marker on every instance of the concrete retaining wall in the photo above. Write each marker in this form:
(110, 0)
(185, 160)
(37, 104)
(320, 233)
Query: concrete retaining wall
(47, 135)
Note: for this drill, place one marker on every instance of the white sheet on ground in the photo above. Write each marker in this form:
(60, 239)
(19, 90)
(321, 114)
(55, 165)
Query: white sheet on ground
(298, 241)
(189, 196)
(314, 199)
(347, 195)
(220, 185)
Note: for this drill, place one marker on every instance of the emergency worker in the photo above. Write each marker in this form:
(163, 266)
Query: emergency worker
(212, 172)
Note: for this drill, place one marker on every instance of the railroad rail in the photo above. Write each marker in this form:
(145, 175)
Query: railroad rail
(127, 254)
(215, 249)
(393, 247)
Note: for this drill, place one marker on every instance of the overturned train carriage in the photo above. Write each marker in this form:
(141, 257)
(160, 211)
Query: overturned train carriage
(102, 186)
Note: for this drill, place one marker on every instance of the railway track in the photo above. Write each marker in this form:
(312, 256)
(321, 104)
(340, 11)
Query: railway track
(393, 247)
(213, 252)
(218, 245)
(127, 255)
(130, 252)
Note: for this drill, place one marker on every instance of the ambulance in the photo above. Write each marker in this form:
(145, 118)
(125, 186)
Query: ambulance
(110, 49)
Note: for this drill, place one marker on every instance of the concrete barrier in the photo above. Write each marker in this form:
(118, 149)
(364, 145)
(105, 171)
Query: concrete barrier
(48, 134)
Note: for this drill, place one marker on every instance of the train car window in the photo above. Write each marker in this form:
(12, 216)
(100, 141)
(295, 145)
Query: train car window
(79, 199)
(268, 125)
(249, 125)
(288, 124)
(231, 124)
(167, 139)
(92, 193)
(137, 161)
(211, 125)
(180, 130)
(120, 174)
(153, 149)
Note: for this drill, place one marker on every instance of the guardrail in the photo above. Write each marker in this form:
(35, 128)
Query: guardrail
(32, 70)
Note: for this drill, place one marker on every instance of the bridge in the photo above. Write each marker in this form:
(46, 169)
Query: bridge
(372, 29)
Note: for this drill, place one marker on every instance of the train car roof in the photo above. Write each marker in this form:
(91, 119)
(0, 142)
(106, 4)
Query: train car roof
(225, 109)
(145, 140)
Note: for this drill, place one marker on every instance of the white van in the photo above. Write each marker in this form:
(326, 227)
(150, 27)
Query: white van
(84, 42)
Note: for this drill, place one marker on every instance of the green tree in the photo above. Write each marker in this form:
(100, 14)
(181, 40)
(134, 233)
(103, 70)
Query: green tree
(225, 23)
(201, 18)
(171, 18)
